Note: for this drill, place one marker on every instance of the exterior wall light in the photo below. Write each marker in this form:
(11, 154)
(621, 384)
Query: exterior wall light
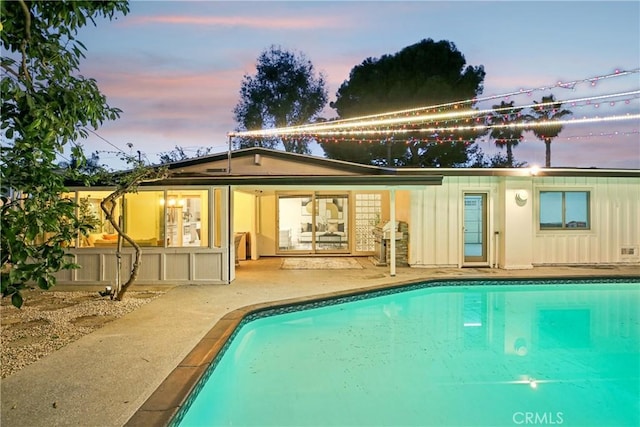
(521, 197)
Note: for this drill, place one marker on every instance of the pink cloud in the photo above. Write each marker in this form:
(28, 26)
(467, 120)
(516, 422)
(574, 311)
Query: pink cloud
(278, 23)
(174, 86)
(137, 89)
(162, 109)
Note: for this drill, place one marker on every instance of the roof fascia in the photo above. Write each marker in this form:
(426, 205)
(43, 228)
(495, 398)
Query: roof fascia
(303, 158)
(530, 172)
(350, 181)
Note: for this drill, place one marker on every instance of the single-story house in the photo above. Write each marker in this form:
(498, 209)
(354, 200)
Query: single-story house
(255, 202)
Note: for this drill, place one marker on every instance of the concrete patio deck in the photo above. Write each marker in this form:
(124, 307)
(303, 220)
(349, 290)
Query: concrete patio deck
(105, 377)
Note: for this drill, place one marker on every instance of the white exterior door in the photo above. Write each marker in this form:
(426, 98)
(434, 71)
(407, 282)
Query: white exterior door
(475, 228)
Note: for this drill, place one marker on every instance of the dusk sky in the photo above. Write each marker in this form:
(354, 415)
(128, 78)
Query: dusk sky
(175, 67)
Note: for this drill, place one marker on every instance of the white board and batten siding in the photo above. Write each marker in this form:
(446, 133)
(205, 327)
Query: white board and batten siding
(436, 219)
(514, 237)
(614, 233)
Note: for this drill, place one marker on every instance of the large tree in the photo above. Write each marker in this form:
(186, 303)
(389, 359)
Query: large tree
(46, 107)
(546, 114)
(285, 91)
(424, 74)
(502, 132)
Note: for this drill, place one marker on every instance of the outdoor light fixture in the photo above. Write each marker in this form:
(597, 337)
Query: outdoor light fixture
(534, 170)
(521, 197)
(107, 291)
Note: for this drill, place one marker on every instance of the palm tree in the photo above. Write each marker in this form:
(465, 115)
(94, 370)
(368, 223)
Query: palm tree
(547, 112)
(504, 135)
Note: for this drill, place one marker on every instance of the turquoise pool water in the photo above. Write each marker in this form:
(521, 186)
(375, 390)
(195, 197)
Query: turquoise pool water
(463, 355)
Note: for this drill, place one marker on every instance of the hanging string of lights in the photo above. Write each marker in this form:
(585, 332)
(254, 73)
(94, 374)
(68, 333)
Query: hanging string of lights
(474, 128)
(602, 134)
(390, 126)
(484, 138)
(451, 139)
(387, 123)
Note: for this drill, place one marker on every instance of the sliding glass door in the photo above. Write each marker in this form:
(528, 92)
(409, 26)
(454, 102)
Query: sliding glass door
(313, 223)
(332, 225)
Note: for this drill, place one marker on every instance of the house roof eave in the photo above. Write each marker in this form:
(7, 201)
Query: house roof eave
(297, 180)
(295, 157)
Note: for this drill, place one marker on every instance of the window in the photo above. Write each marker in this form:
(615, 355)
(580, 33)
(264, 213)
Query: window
(219, 218)
(172, 218)
(103, 233)
(143, 219)
(187, 218)
(564, 210)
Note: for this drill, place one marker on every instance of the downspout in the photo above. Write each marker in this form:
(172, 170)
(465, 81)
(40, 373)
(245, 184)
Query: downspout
(230, 237)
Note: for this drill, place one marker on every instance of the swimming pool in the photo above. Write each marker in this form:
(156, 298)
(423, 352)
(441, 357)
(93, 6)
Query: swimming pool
(504, 353)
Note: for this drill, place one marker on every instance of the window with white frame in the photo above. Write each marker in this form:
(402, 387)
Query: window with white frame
(564, 210)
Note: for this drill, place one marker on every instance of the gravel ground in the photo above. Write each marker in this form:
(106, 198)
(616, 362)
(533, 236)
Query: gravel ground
(49, 320)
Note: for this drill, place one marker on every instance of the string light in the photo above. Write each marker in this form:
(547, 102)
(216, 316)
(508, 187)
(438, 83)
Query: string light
(601, 134)
(610, 135)
(362, 127)
(474, 128)
(393, 119)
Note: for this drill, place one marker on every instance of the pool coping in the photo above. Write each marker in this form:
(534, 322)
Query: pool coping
(165, 403)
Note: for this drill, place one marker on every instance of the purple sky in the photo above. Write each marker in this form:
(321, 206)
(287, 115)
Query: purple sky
(175, 67)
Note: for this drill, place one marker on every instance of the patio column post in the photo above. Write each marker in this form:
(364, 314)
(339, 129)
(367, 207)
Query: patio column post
(392, 240)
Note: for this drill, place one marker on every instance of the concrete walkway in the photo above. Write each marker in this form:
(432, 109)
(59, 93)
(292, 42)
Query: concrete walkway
(104, 377)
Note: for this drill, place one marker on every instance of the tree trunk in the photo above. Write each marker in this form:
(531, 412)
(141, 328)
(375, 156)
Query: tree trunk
(509, 155)
(547, 146)
(119, 258)
(134, 272)
(108, 206)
